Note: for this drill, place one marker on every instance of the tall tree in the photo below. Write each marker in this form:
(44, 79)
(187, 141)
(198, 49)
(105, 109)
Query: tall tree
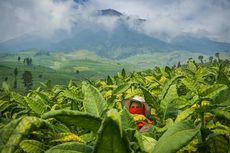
(178, 64)
(218, 56)
(27, 80)
(201, 59)
(15, 77)
(210, 59)
(19, 58)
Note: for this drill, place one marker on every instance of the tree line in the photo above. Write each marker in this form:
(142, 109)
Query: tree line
(27, 60)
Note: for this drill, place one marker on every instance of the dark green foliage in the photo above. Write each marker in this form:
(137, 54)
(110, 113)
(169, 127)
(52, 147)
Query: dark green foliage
(70, 147)
(13, 133)
(176, 137)
(111, 136)
(127, 120)
(27, 80)
(75, 118)
(181, 89)
(218, 140)
(93, 102)
(123, 73)
(122, 88)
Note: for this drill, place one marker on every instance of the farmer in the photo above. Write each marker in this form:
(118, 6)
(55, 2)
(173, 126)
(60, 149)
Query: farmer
(140, 110)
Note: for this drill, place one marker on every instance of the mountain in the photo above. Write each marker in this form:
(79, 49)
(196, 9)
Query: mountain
(23, 42)
(119, 43)
(202, 45)
(109, 12)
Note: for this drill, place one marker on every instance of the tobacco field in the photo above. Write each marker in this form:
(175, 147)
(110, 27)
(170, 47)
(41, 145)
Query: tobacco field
(190, 109)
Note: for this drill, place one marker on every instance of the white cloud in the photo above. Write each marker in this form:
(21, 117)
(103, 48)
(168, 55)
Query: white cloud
(166, 19)
(43, 17)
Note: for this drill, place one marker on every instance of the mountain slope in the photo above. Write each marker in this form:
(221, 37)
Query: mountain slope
(119, 43)
(202, 45)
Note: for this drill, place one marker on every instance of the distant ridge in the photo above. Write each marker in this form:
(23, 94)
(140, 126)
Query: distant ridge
(109, 12)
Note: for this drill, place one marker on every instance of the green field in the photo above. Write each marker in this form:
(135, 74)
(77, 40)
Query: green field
(60, 67)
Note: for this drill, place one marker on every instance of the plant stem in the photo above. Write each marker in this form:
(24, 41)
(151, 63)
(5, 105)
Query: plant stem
(202, 127)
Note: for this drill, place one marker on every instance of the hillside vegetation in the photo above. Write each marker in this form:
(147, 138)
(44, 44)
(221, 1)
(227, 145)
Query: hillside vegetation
(60, 67)
(57, 67)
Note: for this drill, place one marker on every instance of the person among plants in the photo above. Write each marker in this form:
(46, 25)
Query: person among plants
(139, 110)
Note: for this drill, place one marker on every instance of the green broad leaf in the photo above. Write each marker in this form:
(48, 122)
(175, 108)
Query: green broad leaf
(191, 84)
(32, 146)
(171, 95)
(115, 116)
(127, 120)
(218, 144)
(181, 102)
(93, 101)
(223, 113)
(18, 98)
(168, 124)
(192, 66)
(146, 143)
(185, 114)
(123, 73)
(223, 97)
(168, 71)
(70, 94)
(5, 87)
(168, 85)
(213, 90)
(109, 80)
(13, 133)
(61, 128)
(21, 113)
(221, 129)
(72, 84)
(36, 105)
(75, 118)
(110, 138)
(222, 77)
(47, 85)
(42, 96)
(150, 99)
(176, 137)
(88, 137)
(203, 72)
(122, 88)
(70, 147)
(170, 111)
(4, 122)
(5, 104)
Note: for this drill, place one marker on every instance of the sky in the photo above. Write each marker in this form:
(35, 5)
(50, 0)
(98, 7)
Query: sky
(165, 19)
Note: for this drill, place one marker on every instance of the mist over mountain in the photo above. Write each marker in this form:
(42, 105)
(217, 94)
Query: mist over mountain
(122, 40)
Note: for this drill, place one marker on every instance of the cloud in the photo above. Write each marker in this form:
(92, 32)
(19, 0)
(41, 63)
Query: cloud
(166, 19)
(41, 17)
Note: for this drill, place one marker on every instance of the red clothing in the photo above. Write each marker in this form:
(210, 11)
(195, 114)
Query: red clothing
(141, 111)
(137, 111)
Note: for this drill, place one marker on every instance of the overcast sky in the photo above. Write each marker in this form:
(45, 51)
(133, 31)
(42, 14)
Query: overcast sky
(166, 19)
